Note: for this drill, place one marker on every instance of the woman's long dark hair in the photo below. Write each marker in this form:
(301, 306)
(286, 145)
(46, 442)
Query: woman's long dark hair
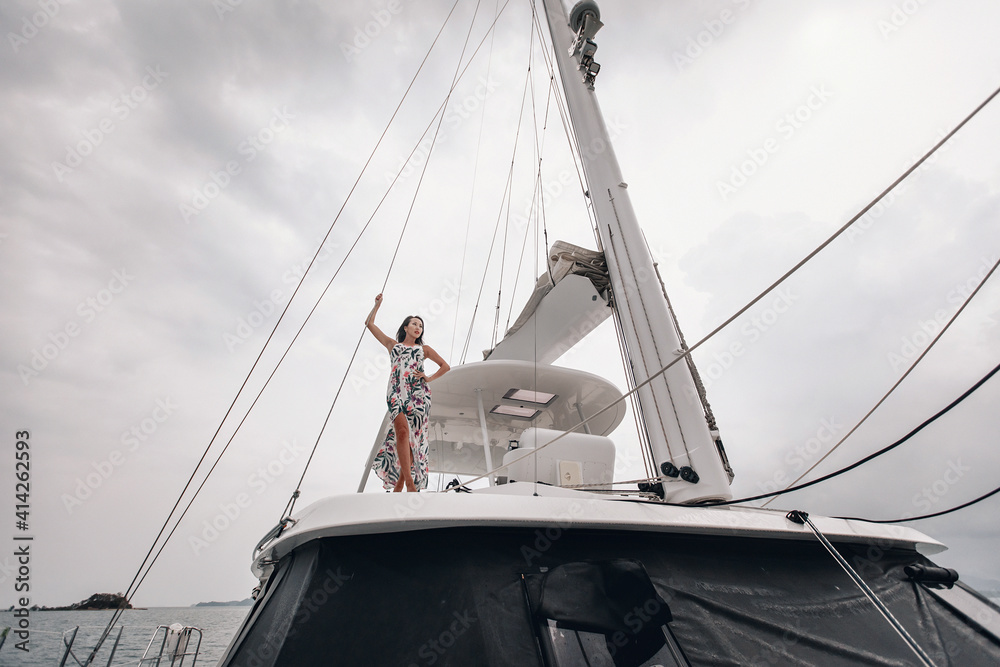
(401, 333)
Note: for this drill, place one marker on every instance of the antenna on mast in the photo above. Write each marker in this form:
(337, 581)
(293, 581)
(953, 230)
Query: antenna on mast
(585, 20)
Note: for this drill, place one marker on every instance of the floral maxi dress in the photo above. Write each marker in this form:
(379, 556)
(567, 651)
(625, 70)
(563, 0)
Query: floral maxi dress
(409, 395)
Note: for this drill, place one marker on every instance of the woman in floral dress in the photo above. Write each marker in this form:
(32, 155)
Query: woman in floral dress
(409, 401)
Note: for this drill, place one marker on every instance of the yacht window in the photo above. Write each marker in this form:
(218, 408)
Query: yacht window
(530, 396)
(515, 411)
(601, 614)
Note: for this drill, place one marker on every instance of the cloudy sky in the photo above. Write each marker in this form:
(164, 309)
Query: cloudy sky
(169, 169)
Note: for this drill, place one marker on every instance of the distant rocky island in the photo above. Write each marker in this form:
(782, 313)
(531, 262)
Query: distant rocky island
(97, 601)
(233, 603)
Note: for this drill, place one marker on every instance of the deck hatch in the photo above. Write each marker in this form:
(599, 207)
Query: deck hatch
(541, 398)
(515, 411)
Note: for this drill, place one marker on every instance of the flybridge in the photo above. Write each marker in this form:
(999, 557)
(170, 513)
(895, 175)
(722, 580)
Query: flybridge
(486, 410)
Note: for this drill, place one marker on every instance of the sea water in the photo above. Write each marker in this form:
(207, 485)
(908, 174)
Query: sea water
(218, 625)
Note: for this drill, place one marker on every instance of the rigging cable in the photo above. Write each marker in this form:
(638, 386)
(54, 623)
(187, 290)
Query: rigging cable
(929, 516)
(571, 140)
(655, 352)
(503, 251)
(510, 194)
(645, 449)
(524, 241)
(888, 448)
(775, 284)
(898, 382)
(503, 261)
(528, 87)
(472, 194)
(537, 194)
(699, 384)
(454, 82)
(489, 256)
(129, 591)
(505, 196)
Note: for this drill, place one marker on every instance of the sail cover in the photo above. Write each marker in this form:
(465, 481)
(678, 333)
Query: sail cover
(569, 300)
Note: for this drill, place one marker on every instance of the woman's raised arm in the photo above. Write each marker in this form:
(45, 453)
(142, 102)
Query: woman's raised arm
(378, 333)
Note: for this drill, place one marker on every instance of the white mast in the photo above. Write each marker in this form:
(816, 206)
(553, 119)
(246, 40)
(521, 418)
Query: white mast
(682, 444)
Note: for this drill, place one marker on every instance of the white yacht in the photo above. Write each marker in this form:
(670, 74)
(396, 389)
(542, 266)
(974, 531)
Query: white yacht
(550, 561)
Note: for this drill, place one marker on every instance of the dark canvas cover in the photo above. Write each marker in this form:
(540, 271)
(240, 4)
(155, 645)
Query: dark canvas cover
(463, 597)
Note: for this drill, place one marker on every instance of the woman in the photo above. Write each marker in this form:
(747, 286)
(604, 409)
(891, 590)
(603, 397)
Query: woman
(409, 401)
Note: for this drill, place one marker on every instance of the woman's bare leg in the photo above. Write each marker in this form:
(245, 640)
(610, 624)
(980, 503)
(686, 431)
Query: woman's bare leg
(403, 455)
